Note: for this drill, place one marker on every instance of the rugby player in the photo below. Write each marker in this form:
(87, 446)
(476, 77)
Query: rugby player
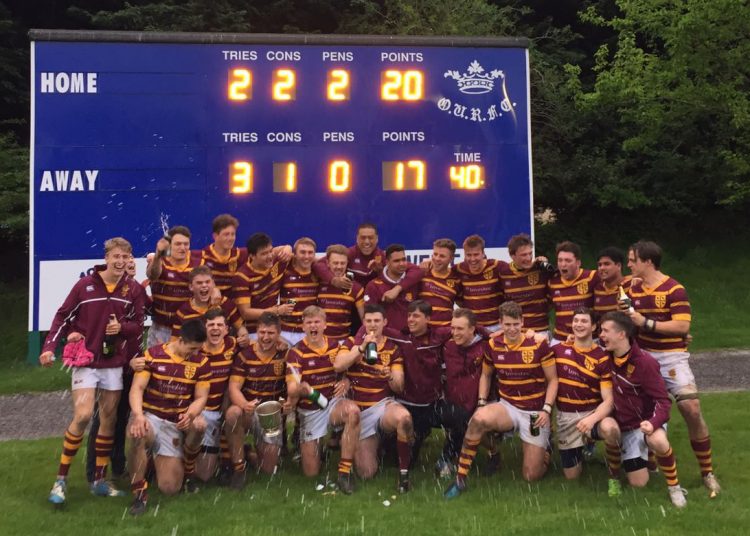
(609, 271)
(310, 373)
(257, 283)
(642, 406)
(257, 376)
(526, 382)
(387, 290)
(584, 397)
(220, 349)
(206, 296)
(105, 310)
(341, 306)
(166, 399)
(480, 281)
(222, 257)
(463, 355)
(525, 283)
(572, 287)
(662, 314)
(373, 387)
(365, 260)
(299, 287)
(441, 283)
(168, 270)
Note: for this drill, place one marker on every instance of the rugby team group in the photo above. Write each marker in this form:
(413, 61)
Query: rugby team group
(368, 353)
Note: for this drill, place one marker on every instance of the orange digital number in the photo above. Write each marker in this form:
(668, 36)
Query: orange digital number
(240, 85)
(338, 85)
(339, 176)
(469, 177)
(284, 87)
(284, 176)
(408, 175)
(241, 178)
(401, 85)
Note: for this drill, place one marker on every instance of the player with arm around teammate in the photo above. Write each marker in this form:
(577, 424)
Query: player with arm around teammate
(167, 397)
(584, 397)
(526, 382)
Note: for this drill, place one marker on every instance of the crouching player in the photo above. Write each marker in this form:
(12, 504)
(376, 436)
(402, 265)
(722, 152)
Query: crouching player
(642, 406)
(312, 388)
(526, 381)
(220, 350)
(373, 386)
(257, 376)
(584, 399)
(166, 398)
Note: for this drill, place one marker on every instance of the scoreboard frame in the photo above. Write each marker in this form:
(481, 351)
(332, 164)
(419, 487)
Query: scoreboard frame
(241, 39)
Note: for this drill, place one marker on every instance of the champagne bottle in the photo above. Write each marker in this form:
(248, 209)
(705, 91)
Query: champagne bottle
(319, 398)
(624, 301)
(371, 353)
(108, 345)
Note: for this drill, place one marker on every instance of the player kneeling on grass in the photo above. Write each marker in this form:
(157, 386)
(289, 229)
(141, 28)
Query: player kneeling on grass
(166, 398)
(257, 376)
(375, 379)
(312, 388)
(201, 460)
(642, 406)
(584, 397)
(526, 381)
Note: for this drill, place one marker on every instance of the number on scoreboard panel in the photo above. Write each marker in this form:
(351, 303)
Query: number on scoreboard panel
(339, 176)
(470, 177)
(401, 85)
(285, 176)
(284, 85)
(338, 85)
(241, 178)
(240, 85)
(408, 175)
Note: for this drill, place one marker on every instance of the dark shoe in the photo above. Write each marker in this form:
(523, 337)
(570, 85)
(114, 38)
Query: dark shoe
(493, 465)
(190, 485)
(238, 480)
(404, 485)
(345, 483)
(454, 490)
(224, 476)
(138, 508)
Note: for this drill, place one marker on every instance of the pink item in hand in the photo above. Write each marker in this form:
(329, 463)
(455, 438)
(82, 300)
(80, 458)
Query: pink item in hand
(75, 354)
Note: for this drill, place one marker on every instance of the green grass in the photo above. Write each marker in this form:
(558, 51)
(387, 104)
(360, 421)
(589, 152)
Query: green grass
(288, 503)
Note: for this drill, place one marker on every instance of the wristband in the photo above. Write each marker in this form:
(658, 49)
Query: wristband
(547, 408)
(482, 402)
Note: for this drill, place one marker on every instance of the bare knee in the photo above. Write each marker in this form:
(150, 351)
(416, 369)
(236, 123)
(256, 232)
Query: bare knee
(572, 473)
(232, 416)
(367, 471)
(169, 488)
(531, 474)
(609, 430)
(351, 415)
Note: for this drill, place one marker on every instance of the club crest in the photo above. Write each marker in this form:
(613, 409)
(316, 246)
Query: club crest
(527, 356)
(190, 371)
(660, 300)
(533, 279)
(582, 288)
(589, 363)
(278, 368)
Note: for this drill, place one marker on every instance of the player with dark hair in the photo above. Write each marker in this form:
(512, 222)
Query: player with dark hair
(299, 287)
(257, 376)
(572, 287)
(341, 306)
(373, 385)
(584, 399)
(609, 271)
(526, 382)
(642, 406)
(257, 283)
(662, 313)
(100, 317)
(386, 289)
(166, 399)
(205, 297)
(221, 256)
(480, 280)
(312, 388)
(168, 270)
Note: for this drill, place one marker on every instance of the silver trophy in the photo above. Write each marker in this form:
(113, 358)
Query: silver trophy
(269, 417)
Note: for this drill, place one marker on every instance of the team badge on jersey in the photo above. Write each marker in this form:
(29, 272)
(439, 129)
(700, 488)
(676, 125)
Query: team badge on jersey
(629, 371)
(527, 356)
(232, 266)
(228, 355)
(190, 371)
(582, 288)
(589, 363)
(385, 358)
(124, 291)
(451, 283)
(278, 368)
(533, 278)
(660, 300)
(487, 274)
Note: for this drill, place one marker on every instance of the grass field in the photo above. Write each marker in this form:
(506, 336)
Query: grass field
(288, 503)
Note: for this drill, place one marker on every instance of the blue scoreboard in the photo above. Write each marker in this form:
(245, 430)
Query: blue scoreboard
(292, 134)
